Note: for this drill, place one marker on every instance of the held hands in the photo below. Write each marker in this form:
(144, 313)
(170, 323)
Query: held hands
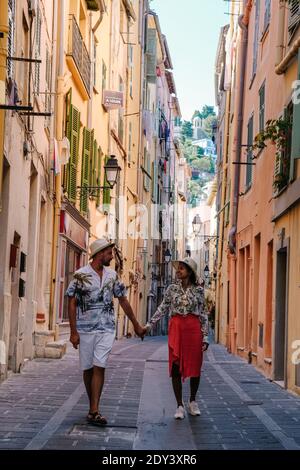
(140, 331)
(74, 339)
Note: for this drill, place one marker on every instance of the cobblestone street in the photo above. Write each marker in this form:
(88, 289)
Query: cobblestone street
(45, 406)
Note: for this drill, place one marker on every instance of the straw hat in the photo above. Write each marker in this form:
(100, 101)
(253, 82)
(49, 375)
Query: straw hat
(100, 245)
(190, 262)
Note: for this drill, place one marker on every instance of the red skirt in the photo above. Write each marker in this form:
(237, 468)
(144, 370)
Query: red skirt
(185, 345)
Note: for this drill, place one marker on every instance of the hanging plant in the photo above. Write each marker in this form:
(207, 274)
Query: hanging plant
(277, 132)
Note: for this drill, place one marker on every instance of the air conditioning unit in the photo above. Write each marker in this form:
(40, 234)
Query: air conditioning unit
(32, 7)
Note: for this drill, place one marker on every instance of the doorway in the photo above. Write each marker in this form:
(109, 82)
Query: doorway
(281, 317)
(72, 264)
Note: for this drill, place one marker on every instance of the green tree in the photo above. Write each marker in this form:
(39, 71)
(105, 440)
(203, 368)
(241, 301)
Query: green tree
(188, 150)
(186, 130)
(209, 123)
(195, 190)
(207, 111)
(202, 164)
(200, 151)
(196, 114)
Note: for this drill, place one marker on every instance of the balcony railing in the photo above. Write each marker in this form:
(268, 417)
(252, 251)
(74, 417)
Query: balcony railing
(78, 51)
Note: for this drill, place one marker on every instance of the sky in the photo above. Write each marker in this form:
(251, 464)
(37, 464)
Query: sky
(192, 28)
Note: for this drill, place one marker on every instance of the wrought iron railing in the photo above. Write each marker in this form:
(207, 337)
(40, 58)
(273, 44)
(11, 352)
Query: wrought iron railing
(78, 51)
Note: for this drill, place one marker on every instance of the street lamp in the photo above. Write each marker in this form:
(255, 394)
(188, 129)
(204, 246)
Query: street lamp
(196, 224)
(206, 272)
(168, 256)
(112, 170)
(111, 174)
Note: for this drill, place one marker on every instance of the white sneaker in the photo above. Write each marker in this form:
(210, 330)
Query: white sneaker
(193, 408)
(180, 413)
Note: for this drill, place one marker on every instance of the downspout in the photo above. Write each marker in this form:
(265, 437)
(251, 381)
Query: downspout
(243, 22)
(99, 21)
(58, 127)
(3, 55)
(281, 68)
(280, 33)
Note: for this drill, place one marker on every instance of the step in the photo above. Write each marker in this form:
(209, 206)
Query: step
(56, 349)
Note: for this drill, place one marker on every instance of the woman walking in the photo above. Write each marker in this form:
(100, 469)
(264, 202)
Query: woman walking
(188, 332)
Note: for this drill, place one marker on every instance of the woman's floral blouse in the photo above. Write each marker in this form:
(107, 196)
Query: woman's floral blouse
(178, 301)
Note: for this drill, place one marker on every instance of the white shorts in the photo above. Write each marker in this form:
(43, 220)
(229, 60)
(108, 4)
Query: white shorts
(94, 348)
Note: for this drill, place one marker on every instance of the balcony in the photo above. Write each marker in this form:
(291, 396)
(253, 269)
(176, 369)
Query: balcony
(78, 58)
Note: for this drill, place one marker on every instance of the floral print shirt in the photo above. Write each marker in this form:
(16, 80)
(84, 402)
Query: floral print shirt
(94, 299)
(182, 302)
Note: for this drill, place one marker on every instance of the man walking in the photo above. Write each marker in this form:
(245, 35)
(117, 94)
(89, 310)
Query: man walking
(92, 320)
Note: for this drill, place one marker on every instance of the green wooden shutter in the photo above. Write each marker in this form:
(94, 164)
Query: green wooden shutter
(85, 169)
(68, 103)
(74, 125)
(106, 192)
(98, 175)
(94, 168)
(93, 164)
(296, 127)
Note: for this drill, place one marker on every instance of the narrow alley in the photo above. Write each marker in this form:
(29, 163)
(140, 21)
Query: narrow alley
(45, 406)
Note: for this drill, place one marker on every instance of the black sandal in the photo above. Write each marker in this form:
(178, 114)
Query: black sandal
(96, 419)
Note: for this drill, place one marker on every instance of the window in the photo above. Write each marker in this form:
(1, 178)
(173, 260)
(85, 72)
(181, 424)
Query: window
(255, 42)
(122, 19)
(11, 37)
(106, 192)
(73, 134)
(294, 16)
(249, 154)
(48, 87)
(282, 173)
(267, 14)
(130, 65)
(94, 62)
(121, 114)
(38, 30)
(104, 71)
(151, 55)
(87, 149)
(262, 108)
(154, 183)
(147, 169)
(129, 141)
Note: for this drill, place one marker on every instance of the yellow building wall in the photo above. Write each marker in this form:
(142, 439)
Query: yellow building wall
(3, 55)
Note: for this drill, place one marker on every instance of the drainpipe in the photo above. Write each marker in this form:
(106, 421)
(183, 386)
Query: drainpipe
(3, 55)
(243, 23)
(99, 21)
(59, 122)
(281, 68)
(280, 33)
